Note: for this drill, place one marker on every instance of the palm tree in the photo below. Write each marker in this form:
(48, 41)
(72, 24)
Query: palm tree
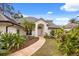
(72, 21)
(29, 26)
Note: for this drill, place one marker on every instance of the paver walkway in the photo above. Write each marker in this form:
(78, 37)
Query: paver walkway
(28, 51)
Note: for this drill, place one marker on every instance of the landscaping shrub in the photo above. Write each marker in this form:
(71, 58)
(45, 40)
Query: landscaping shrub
(18, 40)
(70, 45)
(9, 41)
(47, 36)
(52, 33)
(56, 33)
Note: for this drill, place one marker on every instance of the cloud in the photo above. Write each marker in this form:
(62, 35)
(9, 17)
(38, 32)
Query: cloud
(61, 21)
(49, 12)
(45, 16)
(25, 15)
(70, 7)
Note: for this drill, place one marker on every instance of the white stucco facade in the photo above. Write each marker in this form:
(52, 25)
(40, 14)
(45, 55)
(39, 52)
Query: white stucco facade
(3, 27)
(41, 26)
(40, 29)
(11, 29)
(44, 28)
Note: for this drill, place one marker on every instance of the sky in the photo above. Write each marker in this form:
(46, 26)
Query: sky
(60, 13)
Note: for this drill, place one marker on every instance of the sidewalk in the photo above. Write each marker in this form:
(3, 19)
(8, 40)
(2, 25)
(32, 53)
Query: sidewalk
(28, 51)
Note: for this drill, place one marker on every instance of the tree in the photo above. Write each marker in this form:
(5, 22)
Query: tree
(72, 21)
(29, 26)
(6, 7)
(77, 16)
(77, 19)
(70, 45)
(20, 15)
(17, 15)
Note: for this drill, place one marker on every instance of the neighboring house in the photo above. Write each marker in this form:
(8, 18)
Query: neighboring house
(41, 26)
(10, 26)
(69, 26)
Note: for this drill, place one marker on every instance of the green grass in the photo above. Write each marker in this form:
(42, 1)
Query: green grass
(48, 49)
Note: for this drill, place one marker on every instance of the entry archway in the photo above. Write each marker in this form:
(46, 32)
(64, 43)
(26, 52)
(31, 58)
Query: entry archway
(40, 29)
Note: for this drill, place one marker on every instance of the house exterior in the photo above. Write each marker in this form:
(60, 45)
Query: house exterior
(69, 26)
(8, 25)
(13, 26)
(42, 26)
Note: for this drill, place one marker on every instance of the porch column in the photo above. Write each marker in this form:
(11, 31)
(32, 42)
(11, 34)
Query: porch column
(6, 29)
(36, 29)
(45, 29)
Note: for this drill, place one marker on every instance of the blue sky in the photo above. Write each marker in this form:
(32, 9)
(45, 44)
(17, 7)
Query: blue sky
(60, 13)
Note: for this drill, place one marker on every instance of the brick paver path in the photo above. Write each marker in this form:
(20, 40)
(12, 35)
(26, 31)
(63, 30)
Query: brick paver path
(28, 51)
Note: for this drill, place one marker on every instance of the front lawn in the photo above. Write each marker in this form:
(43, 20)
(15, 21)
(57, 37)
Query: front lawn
(48, 49)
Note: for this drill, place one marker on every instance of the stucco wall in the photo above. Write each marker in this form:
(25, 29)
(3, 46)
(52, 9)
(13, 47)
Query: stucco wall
(45, 30)
(49, 30)
(13, 29)
(33, 33)
(2, 28)
(22, 32)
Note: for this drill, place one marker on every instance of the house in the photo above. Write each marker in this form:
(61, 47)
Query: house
(69, 26)
(41, 26)
(8, 25)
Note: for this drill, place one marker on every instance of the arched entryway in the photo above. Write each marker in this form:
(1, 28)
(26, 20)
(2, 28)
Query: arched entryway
(40, 29)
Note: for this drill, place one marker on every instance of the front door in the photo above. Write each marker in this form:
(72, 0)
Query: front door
(40, 29)
(40, 32)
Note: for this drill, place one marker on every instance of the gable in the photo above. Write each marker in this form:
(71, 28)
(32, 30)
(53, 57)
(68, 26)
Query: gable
(41, 22)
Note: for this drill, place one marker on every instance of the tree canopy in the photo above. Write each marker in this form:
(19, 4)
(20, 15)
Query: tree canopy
(9, 9)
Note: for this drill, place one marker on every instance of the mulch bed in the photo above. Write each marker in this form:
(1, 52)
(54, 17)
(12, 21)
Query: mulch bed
(26, 44)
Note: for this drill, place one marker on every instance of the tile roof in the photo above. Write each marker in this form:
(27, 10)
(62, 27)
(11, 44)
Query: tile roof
(70, 25)
(4, 18)
(33, 19)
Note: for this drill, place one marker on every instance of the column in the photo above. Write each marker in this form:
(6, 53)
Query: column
(36, 30)
(45, 29)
